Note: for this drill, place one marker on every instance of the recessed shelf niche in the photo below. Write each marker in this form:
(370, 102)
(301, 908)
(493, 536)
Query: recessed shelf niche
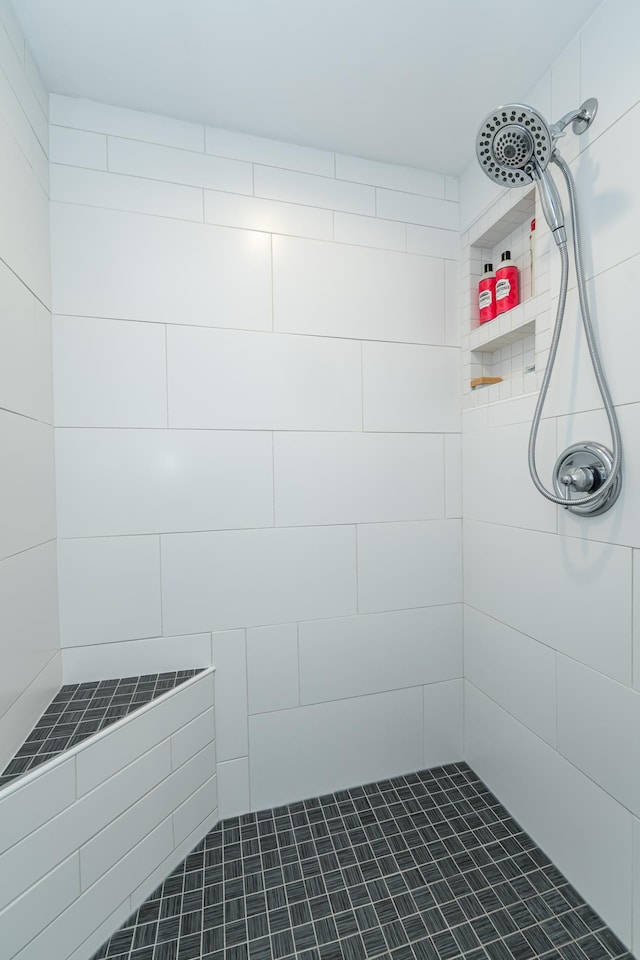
(513, 346)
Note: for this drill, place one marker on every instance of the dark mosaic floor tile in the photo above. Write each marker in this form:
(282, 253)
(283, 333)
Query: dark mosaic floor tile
(423, 867)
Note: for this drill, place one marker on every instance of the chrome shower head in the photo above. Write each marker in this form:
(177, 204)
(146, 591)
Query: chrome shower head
(514, 147)
(512, 142)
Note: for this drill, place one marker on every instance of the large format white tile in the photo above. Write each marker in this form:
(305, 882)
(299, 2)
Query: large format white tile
(453, 475)
(415, 564)
(433, 242)
(72, 927)
(233, 788)
(396, 205)
(443, 723)
(236, 379)
(598, 728)
(257, 577)
(119, 122)
(272, 216)
(109, 373)
(195, 810)
(40, 852)
(390, 175)
(567, 593)
(452, 303)
(28, 638)
(23, 919)
(608, 61)
(192, 738)
(517, 672)
(272, 667)
(97, 188)
(369, 231)
(565, 92)
(109, 590)
(24, 810)
(636, 619)
(148, 268)
(347, 291)
(314, 191)
(584, 830)
(496, 486)
(352, 656)
(24, 114)
(606, 174)
(77, 148)
(122, 833)
(27, 491)
(620, 524)
(98, 761)
(276, 153)
(133, 658)
(178, 166)
(313, 750)
(612, 297)
(115, 482)
(410, 387)
(230, 661)
(25, 350)
(356, 477)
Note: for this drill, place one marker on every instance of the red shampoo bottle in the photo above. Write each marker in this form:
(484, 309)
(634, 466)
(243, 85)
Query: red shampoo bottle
(487, 294)
(507, 295)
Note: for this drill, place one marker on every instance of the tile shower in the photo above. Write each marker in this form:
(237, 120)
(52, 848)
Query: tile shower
(322, 570)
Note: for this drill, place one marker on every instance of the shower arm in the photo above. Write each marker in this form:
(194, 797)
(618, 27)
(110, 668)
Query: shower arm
(580, 118)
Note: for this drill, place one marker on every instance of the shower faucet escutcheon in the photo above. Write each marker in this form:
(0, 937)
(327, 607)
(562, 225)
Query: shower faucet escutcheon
(515, 146)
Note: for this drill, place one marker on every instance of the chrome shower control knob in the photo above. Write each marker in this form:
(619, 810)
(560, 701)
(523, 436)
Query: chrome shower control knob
(581, 470)
(580, 478)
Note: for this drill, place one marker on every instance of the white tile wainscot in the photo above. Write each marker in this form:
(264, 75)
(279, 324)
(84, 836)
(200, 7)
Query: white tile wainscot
(88, 835)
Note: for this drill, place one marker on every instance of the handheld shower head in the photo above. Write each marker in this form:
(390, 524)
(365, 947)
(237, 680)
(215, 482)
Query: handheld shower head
(511, 141)
(514, 147)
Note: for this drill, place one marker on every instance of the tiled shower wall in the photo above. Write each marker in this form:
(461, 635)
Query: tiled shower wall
(29, 648)
(552, 702)
(257, 413)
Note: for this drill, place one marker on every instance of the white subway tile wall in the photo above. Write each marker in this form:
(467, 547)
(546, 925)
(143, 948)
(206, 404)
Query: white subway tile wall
(29, 642)
(258, 436)
(552, 691)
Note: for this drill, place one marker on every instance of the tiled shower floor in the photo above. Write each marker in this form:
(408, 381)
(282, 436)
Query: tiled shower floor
(422, 867)
(81, 709)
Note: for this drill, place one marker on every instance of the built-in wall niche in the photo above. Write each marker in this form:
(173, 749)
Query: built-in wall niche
(513, 347)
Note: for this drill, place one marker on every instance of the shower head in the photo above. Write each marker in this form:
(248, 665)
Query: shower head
(514, 147)
(512, 142)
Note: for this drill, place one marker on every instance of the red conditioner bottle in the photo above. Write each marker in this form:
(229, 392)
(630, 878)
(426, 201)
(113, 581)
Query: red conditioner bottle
(487, 294)
(507, 295)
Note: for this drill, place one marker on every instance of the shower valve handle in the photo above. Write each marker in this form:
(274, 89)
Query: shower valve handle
(580, 478)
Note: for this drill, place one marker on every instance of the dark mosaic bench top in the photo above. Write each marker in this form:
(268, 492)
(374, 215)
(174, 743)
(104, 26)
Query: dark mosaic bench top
(429, 866)
(81, 709)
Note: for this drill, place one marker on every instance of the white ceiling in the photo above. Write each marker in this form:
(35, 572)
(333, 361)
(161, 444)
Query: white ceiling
(404, 81)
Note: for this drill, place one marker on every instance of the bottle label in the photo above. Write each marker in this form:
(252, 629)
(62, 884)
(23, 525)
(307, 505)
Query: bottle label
(503, 289)
(484, 299)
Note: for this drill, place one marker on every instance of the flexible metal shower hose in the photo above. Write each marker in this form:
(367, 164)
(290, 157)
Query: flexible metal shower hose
(593, 353)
